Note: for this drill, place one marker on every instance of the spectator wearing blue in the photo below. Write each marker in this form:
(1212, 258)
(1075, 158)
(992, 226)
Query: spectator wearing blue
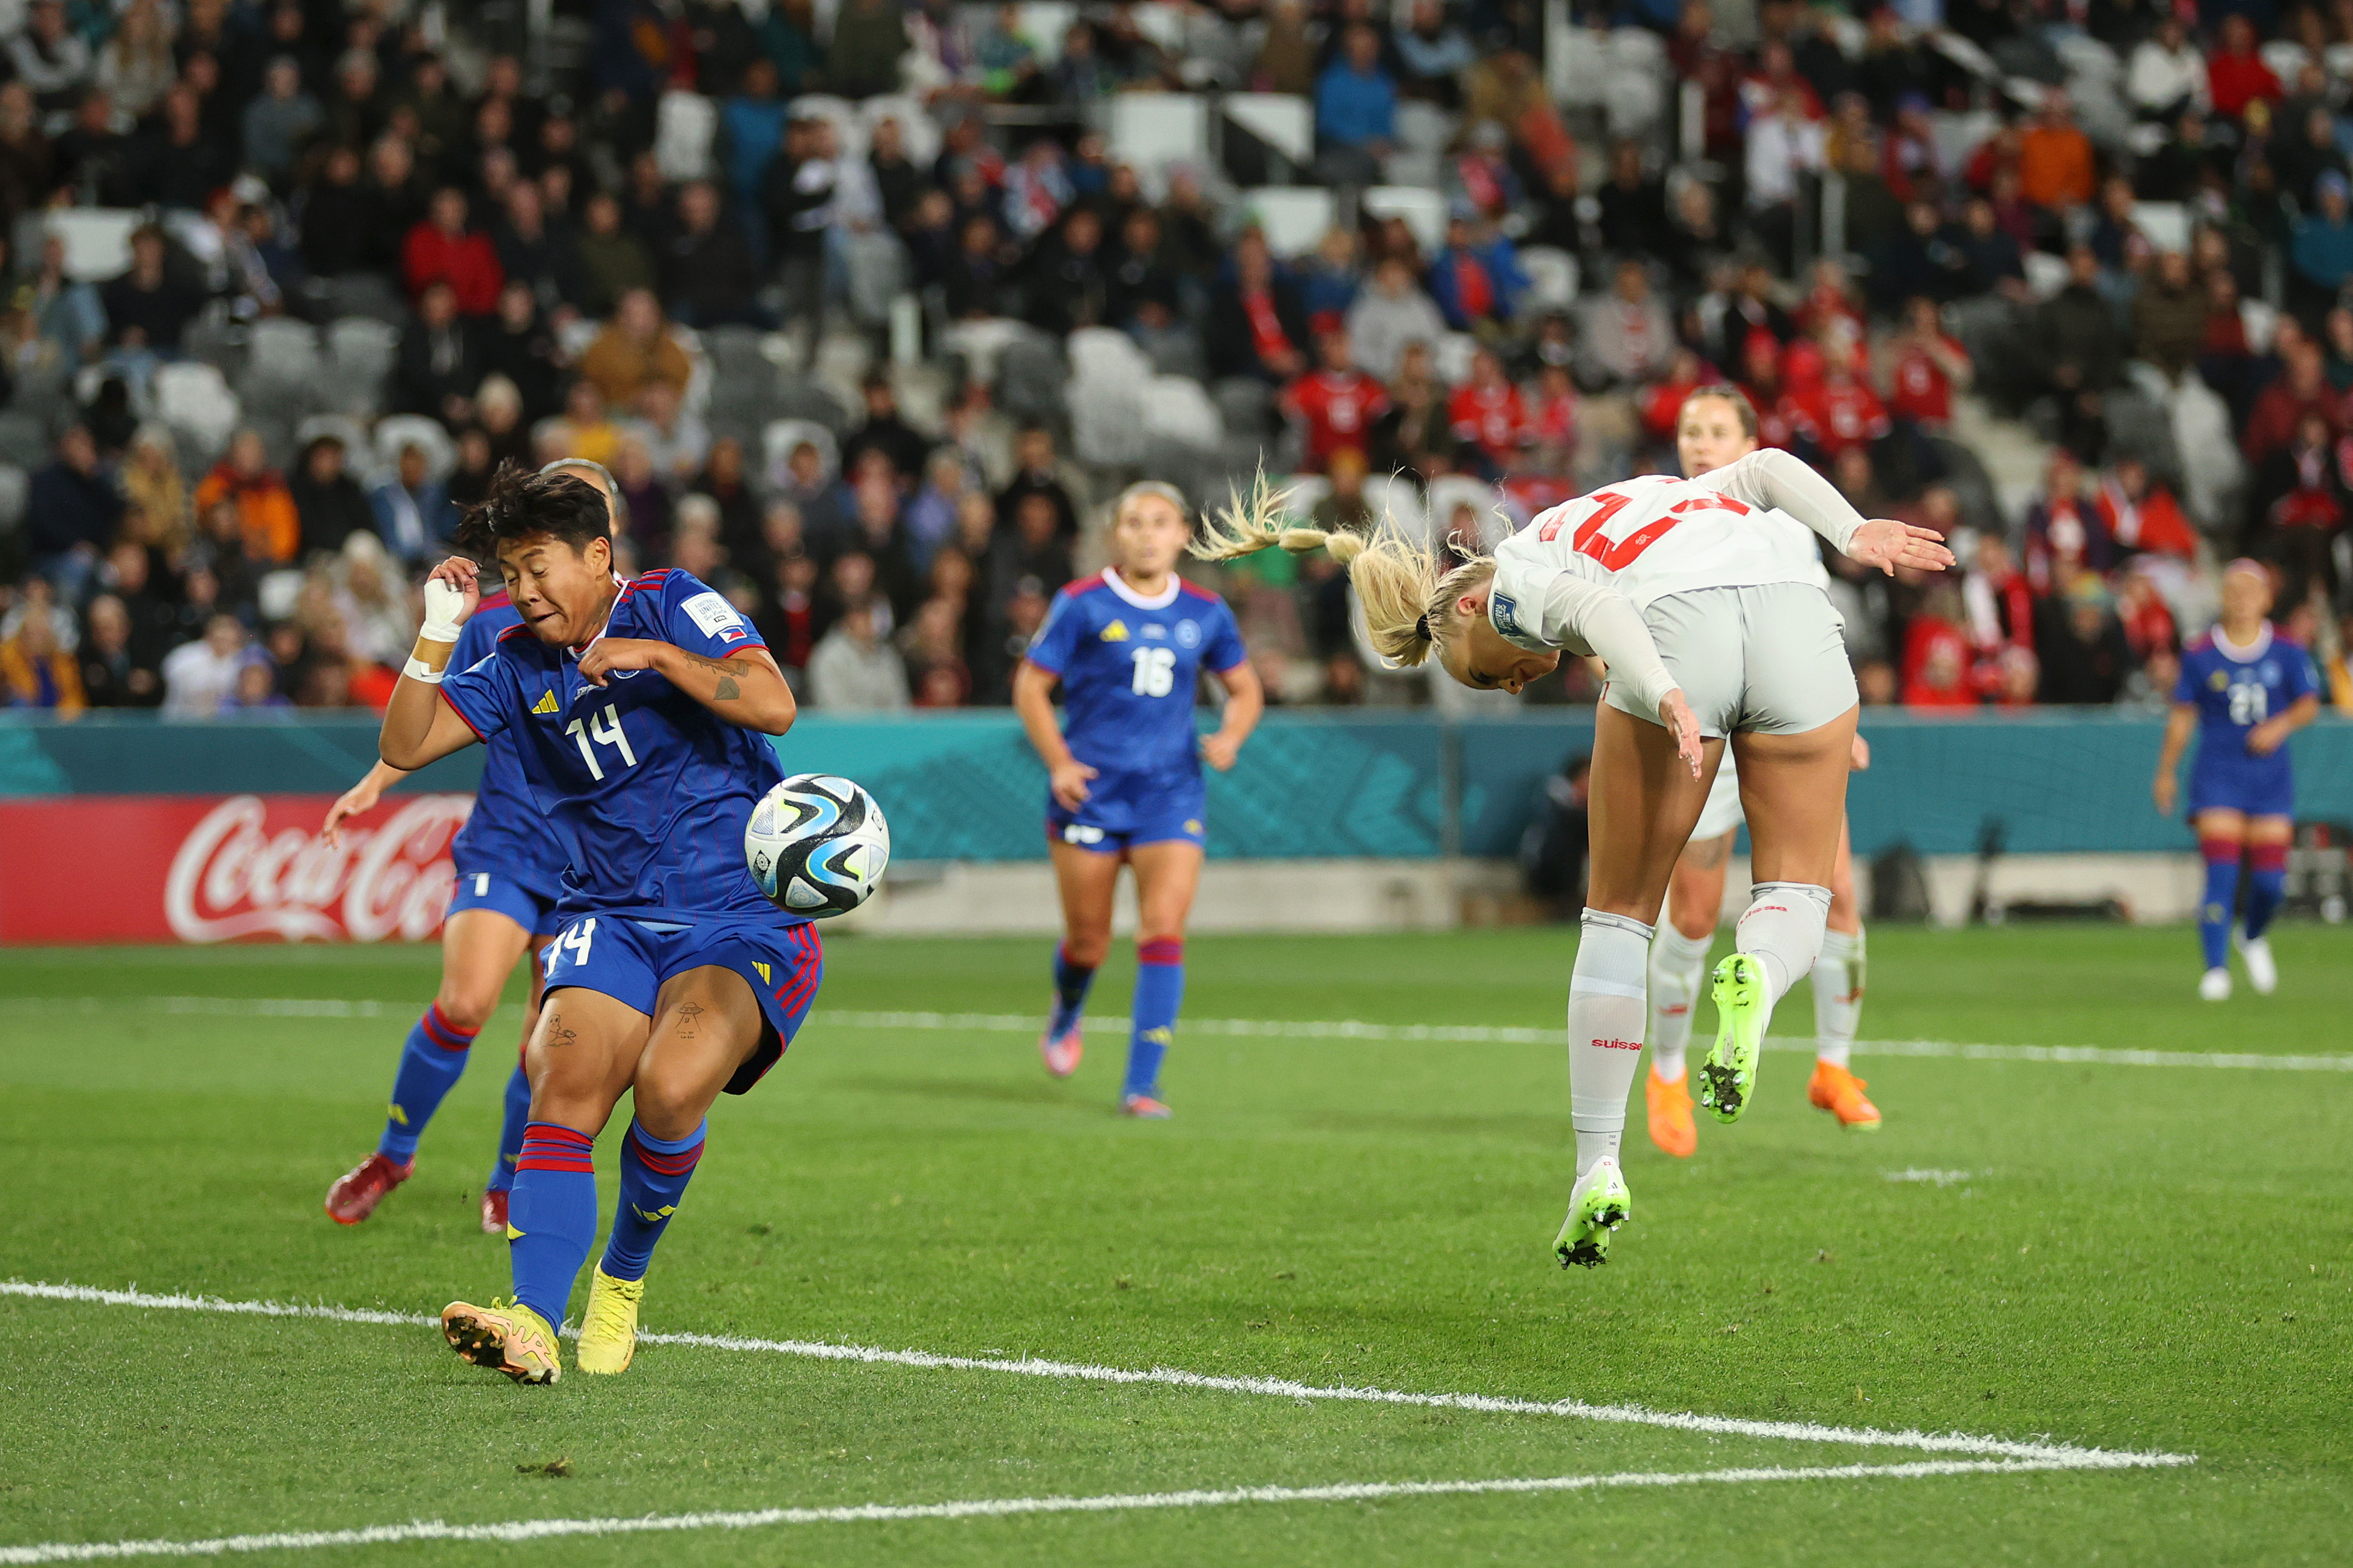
(1356, 112)
(2322, 246)
(1476, 280)
(751, 129)
(412, 514)
(279, 122)
(71, 512)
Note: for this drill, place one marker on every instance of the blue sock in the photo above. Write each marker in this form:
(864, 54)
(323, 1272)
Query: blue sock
(430, 1066)
(2266, 885)
(552, 1217)
(654, 1174)
(2222, 896)
(1159, 992)
(503, 1175)
(1070, 984)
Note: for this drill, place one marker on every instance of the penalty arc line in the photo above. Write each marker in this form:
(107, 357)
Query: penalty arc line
(2060, 1455)
(993, 1508)
(1245, 1028)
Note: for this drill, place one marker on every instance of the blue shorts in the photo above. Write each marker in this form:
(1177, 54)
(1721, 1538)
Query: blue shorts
(628, 959)
(2265, 792)
(488, 891)
(1122, 811)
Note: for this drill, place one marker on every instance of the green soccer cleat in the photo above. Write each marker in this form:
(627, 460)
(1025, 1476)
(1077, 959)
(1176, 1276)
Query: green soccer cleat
(1728, 1076)
(1597, 1205)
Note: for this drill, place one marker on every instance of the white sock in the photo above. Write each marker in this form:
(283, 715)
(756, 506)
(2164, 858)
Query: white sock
(1678, 965)
(1783, 927)
(1605, 1030)
(1838, 996)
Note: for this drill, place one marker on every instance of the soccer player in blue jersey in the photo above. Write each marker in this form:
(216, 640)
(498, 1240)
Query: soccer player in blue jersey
(1128, 646)
(640, 711)
(508, 866)
(2245, 690)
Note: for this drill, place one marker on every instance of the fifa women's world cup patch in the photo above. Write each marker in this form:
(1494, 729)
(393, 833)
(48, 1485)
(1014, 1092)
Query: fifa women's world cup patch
(715, 616)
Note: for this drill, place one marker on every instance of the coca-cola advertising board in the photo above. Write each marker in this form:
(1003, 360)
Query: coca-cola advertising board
(213, 869)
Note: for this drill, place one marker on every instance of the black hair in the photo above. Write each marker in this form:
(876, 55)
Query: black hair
(524, 505)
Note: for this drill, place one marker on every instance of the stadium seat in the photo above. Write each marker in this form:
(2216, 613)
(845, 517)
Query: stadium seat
(13, 484)
(918, 132)
(1552, 278)
(281, 353)
(2165, 224)
(1300, 492)
(1450, 357)
(1153, 129)
(841, 113)
(1043, 23)
(1242, 403)
(1423, 210)
(278, 592)
(363, 346)
(1284, 121)
(1102, 357)
(359, 452)
(684, 125)
(400, 431)
(1177, 408)
(1453, 490)
(1294, 218)
(194, 400)
(23, 440)
(1030, 376)
(97, 240)
(1397, 501)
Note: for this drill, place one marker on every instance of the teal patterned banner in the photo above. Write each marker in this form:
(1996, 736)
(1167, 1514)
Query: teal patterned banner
(1311, 784)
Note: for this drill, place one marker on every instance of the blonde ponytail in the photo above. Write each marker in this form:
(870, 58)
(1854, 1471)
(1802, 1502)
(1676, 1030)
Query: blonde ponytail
(1407, 599)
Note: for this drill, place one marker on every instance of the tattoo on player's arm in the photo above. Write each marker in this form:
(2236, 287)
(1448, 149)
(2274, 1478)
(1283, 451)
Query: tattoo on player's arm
(728, 689)
(687, 1014)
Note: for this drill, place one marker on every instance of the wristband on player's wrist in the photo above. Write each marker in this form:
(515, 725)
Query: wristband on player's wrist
(430, 659)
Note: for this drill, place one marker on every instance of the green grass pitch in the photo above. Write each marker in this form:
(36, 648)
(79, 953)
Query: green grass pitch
(2115, 1257)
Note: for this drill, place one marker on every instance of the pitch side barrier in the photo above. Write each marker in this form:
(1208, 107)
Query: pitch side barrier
(124, 827)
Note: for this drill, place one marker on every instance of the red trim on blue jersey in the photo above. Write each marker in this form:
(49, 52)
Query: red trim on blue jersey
(463, 719)
(1196, 590)
(496, 599)
(512, 631)
(1073, 589)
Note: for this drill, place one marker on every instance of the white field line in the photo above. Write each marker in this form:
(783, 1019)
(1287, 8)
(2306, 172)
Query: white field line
(994, 1508)
(1249, 1028)
(2063, 1455)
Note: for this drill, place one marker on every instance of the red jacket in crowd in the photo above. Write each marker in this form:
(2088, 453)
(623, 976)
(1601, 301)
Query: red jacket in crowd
(467, 262)
(1918, 389)
(1846, 413)
(1338, 407)
(1492, 416)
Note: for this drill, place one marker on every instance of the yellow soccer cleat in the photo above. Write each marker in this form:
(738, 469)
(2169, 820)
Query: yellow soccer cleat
(513, 1340)
(1840, 1092)
(608, 1331)
(1669, 1103)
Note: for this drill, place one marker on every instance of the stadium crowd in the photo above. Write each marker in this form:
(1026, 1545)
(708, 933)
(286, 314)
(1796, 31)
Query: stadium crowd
(716, 251)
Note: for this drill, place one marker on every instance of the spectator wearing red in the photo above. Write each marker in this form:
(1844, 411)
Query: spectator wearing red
(1938, 670)
(1847, 413)
(2301, 389)
(1487, 412)
(2146, 619)
(1999, 605)
(1663, 405)
(1829, 315)
(2235, 74)
(2141, 516)
(1780, 420)
(1776, 74)
(441, 249)
(2064, 535)
(2298, 503)
(2054, 158)
(1336, 404)
(1925, 369)
(1553, 420)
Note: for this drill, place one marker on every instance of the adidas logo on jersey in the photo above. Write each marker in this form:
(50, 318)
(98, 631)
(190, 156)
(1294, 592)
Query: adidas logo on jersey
(1115, 632)
(546, 703)
(764, 977)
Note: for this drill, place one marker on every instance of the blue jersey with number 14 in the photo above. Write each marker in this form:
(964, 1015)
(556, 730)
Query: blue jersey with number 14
(1129, 666)
(647, 790)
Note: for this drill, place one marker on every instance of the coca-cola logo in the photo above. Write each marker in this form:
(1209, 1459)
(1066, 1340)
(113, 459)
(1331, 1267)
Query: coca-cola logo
(233, 876)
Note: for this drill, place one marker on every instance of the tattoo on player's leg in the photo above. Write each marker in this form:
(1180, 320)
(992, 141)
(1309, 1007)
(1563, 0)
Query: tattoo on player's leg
(557, 1034)
(687, 1014)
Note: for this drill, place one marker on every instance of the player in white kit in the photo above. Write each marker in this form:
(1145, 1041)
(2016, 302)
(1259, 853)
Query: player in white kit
(1700, 595)
(1717, 426)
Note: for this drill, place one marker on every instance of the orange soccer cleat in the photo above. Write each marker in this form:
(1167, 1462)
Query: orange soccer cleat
(1672, 1128)
(357, 1191)
(1840, 1092)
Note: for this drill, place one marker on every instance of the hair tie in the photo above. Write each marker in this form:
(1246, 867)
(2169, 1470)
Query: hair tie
(1421, 628)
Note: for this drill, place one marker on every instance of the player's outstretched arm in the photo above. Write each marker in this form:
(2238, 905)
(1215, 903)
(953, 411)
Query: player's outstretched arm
(745, 687)
(418, 727)
(1245, 702)
(1773, 479)
(359, 800)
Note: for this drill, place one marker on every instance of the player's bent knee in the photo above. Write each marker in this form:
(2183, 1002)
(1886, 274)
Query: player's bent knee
(671, 1104)
(467, 1008)
(1089, 951)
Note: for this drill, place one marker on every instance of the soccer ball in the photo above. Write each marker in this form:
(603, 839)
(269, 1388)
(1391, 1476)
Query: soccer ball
(816, 845)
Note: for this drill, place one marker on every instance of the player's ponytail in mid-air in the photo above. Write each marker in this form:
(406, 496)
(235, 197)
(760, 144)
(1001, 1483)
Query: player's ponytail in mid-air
(524, 505)
(1408, 598)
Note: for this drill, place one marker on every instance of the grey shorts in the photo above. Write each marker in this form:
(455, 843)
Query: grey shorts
(1768, 659)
